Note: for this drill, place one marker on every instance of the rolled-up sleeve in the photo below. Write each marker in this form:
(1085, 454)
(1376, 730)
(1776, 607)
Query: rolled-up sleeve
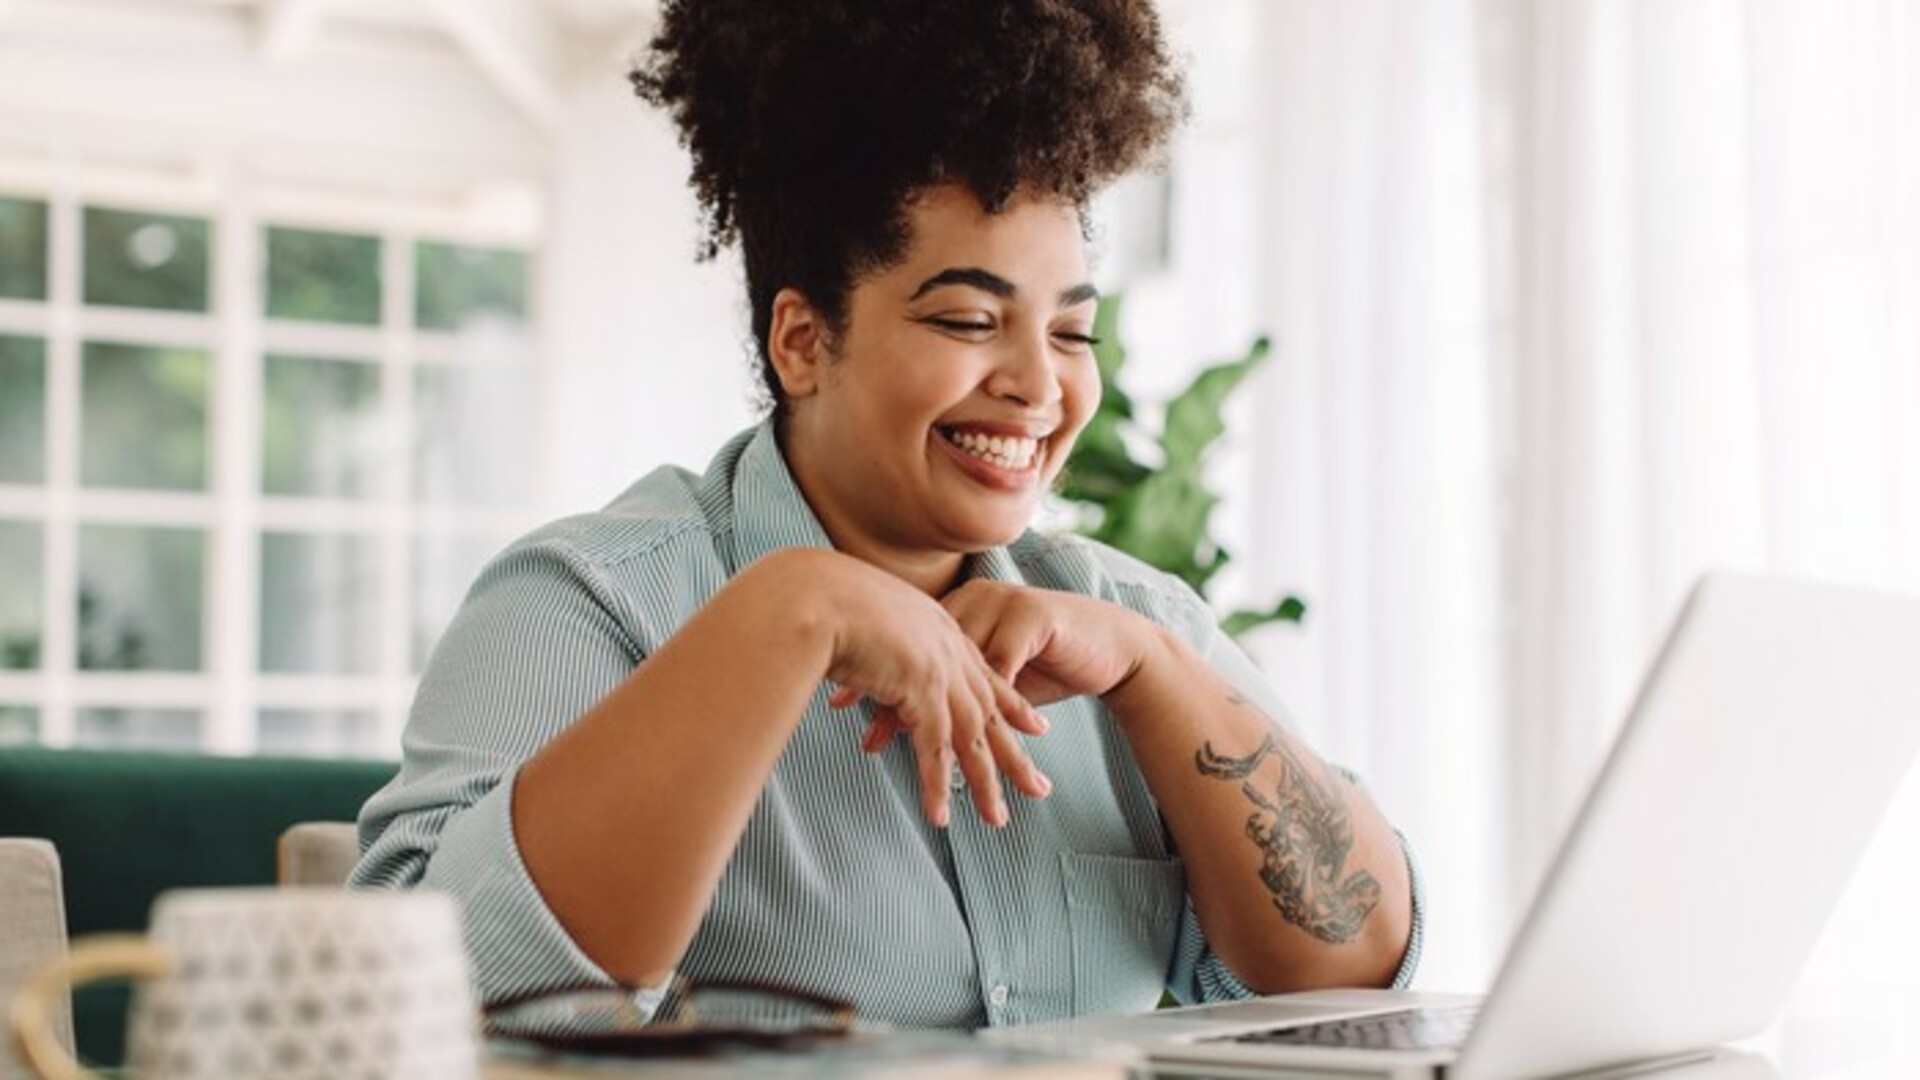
(535, 646)
(517, 944)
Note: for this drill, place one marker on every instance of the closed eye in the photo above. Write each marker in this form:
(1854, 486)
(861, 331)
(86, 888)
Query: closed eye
(1081, 340)
(958, 326)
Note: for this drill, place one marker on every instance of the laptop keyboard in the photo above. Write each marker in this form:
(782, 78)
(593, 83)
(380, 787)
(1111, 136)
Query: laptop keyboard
(1409, 1029)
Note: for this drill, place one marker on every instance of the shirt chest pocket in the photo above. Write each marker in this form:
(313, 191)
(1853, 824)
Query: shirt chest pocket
(1123, 915)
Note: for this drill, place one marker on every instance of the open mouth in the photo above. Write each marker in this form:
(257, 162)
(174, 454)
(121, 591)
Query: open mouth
(1014, 453)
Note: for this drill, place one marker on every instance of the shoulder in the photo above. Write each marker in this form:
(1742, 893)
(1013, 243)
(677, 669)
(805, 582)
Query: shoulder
(1081, 565)
(657, 511)
(654, 529)
(670, 510)
(648, 558)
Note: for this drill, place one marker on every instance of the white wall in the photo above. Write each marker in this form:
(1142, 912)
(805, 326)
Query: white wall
(651, 347)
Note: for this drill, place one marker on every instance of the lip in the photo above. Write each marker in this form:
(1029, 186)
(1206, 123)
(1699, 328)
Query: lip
(1006, 429)
(986, 472)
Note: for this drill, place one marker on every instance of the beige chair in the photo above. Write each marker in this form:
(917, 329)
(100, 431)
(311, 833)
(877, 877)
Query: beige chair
(33, 929)
(318, 853)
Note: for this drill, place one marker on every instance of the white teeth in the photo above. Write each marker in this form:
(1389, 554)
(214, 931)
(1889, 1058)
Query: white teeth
(1007, 452)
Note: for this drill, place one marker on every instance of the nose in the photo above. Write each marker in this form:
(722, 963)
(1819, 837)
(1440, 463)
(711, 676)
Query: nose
(1026, 372)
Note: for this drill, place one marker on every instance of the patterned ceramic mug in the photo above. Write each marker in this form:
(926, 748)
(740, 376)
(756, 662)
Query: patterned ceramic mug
(289, 983)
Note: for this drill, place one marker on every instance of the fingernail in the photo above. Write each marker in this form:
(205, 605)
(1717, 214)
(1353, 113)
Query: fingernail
(1000, 817)
(1046, 784)
(1040, 718)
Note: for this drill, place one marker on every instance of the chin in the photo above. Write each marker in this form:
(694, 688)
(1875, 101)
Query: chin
(981, 539)
(974, 528)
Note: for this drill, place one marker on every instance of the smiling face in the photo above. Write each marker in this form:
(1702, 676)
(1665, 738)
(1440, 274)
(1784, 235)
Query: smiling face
(933, 424)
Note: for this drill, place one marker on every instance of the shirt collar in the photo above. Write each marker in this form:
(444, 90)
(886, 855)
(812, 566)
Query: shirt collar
(993, 564)
(769, 513)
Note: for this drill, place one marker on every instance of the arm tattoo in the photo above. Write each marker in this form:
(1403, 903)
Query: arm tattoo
(1301, 827)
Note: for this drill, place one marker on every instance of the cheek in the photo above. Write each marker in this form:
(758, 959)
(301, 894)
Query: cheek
(1080, 395)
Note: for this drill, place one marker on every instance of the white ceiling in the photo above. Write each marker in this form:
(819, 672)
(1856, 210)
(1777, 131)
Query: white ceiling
(528, 49)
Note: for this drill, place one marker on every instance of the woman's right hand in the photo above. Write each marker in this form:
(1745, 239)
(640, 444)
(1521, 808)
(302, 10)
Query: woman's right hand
(900, 649)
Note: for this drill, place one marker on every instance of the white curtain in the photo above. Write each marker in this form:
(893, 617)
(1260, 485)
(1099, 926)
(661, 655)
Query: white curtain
(1572, 300)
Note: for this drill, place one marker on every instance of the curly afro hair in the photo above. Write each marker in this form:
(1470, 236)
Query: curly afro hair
(814, 123)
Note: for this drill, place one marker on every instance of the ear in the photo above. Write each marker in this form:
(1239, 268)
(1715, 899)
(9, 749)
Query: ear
(797, 343)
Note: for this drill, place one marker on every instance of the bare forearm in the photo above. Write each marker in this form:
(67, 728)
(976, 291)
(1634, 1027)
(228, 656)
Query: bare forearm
(1296, 876)
(627, 820)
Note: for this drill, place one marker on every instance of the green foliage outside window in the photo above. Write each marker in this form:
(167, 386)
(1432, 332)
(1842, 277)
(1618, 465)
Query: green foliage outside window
(455, 283)
(23, 249)
(143, 416)
(323, 276)
(319, 430)
(141, 599)
(23, 398)
(20, 595)
(19, 725)
(137, 259)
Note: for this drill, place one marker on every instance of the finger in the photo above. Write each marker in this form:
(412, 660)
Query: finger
(976, 612)
(1016, 709)
(983, 619)
(881, 731)
(1038, 690)
(974, 717)
(1014, 763)
(1013, 646)
(934, 756)
(970, 596)
(844, 696)
(1004, 696)
(1020, 635)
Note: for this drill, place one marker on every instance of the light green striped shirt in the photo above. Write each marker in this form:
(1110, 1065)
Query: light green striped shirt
(839, 884)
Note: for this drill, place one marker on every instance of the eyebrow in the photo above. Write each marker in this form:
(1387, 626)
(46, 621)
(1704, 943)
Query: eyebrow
(990, 282)
(1079, 294)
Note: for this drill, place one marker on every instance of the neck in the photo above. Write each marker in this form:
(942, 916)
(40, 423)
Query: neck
(933, 572)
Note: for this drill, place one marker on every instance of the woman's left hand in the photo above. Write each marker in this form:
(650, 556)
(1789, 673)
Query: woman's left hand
(1051, 645)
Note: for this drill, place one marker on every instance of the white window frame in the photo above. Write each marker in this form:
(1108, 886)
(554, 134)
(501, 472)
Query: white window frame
(240, 202)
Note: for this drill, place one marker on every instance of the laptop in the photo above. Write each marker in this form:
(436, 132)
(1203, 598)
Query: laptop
(1766, 741)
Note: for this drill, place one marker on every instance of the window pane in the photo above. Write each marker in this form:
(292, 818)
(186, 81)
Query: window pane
(19, 595)
(23, 410)
(139, 728)
(443, 570)
(133, 259)
(320, 733)
(140, 602)
(319, 603)
(19, 725)
(143, 420)
(332, 277)
(455, 285)
(470, 443)
(321, 431)
(23, 249)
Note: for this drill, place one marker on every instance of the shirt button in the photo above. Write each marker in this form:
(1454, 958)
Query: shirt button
(999, 995)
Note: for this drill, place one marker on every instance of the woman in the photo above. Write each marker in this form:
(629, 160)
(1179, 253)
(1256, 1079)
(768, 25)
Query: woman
(829, 714)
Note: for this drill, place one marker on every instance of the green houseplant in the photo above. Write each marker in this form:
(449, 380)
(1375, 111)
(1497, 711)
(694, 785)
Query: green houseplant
(1161, 514)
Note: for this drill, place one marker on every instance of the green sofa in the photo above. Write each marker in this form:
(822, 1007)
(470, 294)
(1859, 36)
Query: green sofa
(131, 825)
